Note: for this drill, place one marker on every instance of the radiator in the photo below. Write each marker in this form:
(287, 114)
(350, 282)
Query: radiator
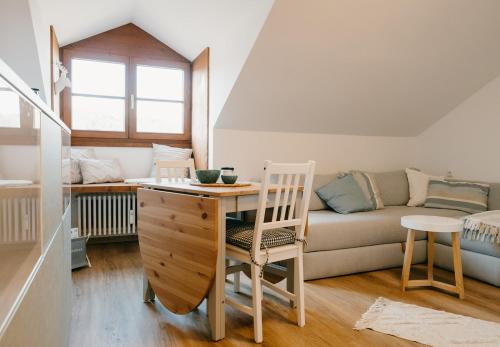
(18, 219)
(106, 214)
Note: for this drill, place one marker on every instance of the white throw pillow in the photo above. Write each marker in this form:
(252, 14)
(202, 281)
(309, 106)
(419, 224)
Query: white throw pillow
(101, 171)
(71, 171)
(76, 155)
(162, 152)
(418, 183)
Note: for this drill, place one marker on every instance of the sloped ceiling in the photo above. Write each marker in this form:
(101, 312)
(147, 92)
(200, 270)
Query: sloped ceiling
(75, 20)
(364, 67)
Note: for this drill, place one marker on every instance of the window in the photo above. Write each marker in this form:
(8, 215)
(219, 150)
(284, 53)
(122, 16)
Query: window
(98, 95)
(138, 100)
(160, 100)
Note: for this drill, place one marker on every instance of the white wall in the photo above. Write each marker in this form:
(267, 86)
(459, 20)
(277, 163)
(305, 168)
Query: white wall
(467, 140)
(247, 150)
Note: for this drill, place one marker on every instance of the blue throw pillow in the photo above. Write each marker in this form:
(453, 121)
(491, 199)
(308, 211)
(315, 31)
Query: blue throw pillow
(344, 195)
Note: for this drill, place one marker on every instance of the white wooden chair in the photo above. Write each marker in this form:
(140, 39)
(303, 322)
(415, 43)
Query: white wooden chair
(175, 170)
(280, 239)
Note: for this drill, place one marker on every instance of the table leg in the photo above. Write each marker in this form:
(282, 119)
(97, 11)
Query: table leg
(457, 264)
(405, 277)
(237, 281)
(430, 256)
(147, 291)
(216, 296)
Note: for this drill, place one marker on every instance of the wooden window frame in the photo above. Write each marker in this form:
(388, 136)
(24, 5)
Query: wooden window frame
(130, 137)
(69, 55)
(186, 68)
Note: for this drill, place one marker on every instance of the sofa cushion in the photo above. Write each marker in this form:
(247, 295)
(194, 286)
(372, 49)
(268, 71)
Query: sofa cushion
(487, 248)
(463, 196)
(368, 184)
(393, 187)
(328, 230)
(494, 197)
(344, 195)
(419, 184)
(316, 204)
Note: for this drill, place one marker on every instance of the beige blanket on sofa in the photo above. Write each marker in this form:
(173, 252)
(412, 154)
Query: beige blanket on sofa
(483, 226)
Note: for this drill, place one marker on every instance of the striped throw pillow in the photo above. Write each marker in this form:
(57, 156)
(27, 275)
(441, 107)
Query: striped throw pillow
(462, 196)
(368, 185)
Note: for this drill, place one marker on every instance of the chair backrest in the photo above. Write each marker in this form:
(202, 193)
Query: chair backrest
(175, 170)
(286, 212)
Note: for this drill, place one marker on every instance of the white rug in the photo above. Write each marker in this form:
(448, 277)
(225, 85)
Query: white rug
(427, 326)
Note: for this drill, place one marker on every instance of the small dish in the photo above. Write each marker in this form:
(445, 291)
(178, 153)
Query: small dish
(207, 176)
(229, 179)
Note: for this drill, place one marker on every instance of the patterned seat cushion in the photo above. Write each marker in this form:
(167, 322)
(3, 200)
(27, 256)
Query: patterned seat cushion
(240, 234)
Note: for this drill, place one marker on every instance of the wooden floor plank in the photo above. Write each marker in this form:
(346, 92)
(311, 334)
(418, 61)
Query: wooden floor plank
(108, 308)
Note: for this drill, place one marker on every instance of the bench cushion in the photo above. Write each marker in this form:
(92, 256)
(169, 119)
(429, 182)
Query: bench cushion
(240, 234)
(328, 230)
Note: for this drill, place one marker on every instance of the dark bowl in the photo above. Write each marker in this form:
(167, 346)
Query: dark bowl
(207, 176)
(229, 179)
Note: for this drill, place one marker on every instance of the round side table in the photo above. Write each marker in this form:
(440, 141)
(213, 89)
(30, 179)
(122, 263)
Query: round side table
(432, 224)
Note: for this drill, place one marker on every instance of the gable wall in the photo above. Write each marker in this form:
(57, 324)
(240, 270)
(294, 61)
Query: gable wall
(467, 140)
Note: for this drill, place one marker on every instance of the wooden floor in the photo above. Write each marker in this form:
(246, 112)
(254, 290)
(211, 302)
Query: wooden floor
(108, 308)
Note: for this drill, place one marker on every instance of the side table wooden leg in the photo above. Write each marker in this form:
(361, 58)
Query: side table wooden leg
(407, 260)
(430, 256)
(457, 264)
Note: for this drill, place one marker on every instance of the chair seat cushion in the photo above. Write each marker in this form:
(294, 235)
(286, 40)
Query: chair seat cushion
(240, 234)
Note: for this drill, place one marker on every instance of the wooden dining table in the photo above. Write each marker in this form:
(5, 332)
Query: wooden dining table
(182, 240)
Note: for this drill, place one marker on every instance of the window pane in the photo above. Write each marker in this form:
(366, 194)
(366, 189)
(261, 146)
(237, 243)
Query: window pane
(97, 78)
(160, 83)
(160, 117)
(100, 114)
(10, 113)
